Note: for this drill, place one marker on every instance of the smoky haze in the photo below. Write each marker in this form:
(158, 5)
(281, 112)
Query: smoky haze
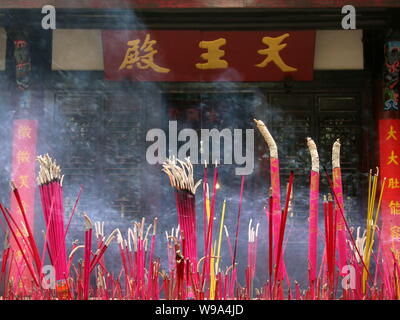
(84, 143)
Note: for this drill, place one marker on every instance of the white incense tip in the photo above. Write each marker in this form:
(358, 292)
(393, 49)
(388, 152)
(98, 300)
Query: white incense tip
(88, 222)
(180, 174)
(312, 147)
(336, 154)
(226, 231)
(273, 149)
(12, 185)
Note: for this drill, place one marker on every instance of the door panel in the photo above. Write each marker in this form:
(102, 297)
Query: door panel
(325, 118)
(100, 146)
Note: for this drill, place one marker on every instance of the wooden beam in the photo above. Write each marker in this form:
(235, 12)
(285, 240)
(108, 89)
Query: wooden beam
(204, 19)
(143, 4)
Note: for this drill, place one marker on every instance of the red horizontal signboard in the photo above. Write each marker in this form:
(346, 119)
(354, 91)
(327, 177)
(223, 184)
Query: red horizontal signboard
(142, 4)
(192, 55)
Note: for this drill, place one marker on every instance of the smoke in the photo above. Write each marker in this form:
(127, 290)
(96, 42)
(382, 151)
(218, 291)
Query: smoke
(6, 116)
(98, 138)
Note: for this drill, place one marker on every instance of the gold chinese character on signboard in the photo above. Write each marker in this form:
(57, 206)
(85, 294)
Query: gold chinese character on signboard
(24, 132)
(391, 134)
(272, 52)
(213, 55)
(23, 156)
(394, 207)
(141, 56)
(392, 159)
(394, 183)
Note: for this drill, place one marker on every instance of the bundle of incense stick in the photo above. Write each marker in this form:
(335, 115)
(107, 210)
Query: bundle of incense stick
(51, 194)
(170, 246)
(355, 261)
(280, 250)
(269, 212)
(87, 256)
(276, 189)
(330, 238)
(6, 253)
(152, 283)
(251, 257)
(214, 280)
(208, 266)
(141, 268)
(24, 245)
(339, 210)
(133, 254)
(339, 205)
(99, 232)
(372, 221)
(23, 236)
(181, 178)
(313, 216)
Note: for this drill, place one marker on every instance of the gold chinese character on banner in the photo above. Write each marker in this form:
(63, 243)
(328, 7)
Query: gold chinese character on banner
(18, 255)
(23, 229)
(396, 253)
(23, 156)
(394, 207)
(391, 134)
(272, 52)
(395, 232)
(213, 55)
(141, 56)
(392, 159)
(394, 183)
(24, 132)
(23, 181)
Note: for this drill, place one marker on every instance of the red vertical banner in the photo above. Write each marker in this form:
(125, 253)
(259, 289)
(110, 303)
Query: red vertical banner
(23, 175)
(389, 140)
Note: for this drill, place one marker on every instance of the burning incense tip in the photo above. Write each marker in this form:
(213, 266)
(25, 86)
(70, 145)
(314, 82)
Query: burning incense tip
(336, 154)
(49, 170)
(312, 147)
(12, 185)
(88, 222)
(273, 149)
(180, 174)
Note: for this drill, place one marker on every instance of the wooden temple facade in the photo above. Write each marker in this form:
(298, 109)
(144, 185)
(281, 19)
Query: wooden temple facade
(96, 127)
